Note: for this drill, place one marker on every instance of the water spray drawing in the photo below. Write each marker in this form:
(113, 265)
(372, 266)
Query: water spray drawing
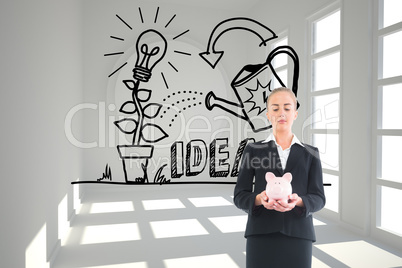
(180, 102)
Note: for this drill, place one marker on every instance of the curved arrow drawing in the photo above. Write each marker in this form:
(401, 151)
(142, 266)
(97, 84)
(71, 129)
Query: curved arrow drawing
(212, 57)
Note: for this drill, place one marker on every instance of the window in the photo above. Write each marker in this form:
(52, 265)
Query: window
(280, 63)
(324, 96)
(388, 130)
(390, 13)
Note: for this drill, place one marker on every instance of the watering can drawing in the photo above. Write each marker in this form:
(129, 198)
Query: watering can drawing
(252, 86)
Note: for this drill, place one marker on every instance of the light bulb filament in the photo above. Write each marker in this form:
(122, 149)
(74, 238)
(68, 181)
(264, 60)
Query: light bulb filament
(147, 56)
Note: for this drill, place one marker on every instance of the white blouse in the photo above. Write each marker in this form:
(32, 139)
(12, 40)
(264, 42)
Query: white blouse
(283, 154)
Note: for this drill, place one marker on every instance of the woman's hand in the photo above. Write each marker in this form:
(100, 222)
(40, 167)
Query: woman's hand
(294, 200)
(278, 205)
(262, 199)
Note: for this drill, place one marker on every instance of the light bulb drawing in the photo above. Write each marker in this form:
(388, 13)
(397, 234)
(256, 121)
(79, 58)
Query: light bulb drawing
(151, 48)
(146, 49)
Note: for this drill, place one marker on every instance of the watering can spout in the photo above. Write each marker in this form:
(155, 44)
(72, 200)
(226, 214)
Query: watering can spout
(236, 109)
(212, 101)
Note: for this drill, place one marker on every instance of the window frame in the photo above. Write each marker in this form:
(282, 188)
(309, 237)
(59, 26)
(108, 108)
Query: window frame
(311, 57)
(378, 132)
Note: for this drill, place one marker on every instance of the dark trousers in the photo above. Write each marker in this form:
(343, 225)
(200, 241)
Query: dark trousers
(278, 250)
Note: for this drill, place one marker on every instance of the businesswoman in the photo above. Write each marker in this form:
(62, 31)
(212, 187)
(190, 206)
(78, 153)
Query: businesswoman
(280, 234)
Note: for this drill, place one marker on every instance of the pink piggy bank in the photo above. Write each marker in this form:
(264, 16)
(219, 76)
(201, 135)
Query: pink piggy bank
(278, 188)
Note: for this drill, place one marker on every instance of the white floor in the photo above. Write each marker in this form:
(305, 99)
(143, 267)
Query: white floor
(176, 226)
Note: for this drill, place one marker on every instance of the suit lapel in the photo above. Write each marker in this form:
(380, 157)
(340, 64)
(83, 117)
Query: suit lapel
(295, 153)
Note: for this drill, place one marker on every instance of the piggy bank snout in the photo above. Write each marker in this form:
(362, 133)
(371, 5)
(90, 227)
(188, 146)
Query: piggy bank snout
(277, 188)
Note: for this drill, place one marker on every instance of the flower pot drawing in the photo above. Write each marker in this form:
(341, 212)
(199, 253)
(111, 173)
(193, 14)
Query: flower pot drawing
(132, 156)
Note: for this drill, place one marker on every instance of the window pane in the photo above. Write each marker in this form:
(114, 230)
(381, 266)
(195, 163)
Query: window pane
(392, 55)
(281, 59)
(326, 72)
(392, 12)
(326, 32)
(283, 75)
(326, 111)
(331, 192)
(390, 159)
(391, 219)
(282, 42)
(328, 145)
(391, 99)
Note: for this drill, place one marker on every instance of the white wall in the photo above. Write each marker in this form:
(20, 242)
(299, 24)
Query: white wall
(41, 80)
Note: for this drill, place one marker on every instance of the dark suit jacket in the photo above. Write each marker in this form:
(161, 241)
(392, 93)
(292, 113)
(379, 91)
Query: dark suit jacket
(305, 166)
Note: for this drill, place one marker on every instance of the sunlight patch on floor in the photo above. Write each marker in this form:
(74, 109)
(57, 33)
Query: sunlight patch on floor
(63, 222)
(361, 254)
(110, 233)
(231, 224)
(35, 253)
(76, 198)
(318, 223)
(217, 201)
(162, 204)
(177, 228)
(210, 261)
(316, 263)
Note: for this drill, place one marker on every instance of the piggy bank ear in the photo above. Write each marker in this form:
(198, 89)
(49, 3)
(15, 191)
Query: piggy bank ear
(287, 177)
(269, 176)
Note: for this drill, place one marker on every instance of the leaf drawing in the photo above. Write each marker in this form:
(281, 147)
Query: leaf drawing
(153, 133)
(129, 83)
(128, 108)
(126, 125)
(151, 110)
(144, 95)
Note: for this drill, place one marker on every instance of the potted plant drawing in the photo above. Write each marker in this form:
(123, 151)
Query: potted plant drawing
(151, 48)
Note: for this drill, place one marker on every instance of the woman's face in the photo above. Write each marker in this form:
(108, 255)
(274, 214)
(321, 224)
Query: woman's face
(281, 111)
